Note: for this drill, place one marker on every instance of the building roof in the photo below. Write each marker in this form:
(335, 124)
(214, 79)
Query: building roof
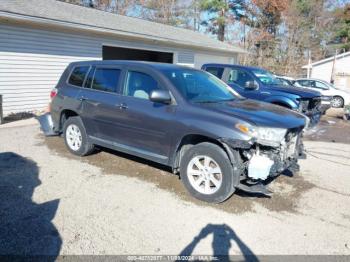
(327, 60)
(64, 14)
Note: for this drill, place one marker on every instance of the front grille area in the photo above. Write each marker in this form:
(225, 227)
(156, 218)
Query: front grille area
(311, 108)
(314, 103)
(304, 105)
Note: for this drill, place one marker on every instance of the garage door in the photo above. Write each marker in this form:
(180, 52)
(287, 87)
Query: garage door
(121, 53)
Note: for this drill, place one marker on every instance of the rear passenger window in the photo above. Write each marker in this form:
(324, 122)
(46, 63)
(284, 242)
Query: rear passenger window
(216, 71)
(78, 75)
(106, 79)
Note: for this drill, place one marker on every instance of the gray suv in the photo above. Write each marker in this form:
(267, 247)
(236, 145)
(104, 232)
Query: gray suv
(180, 117)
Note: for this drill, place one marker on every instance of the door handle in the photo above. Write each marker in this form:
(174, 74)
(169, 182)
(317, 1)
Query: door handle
(123, 106)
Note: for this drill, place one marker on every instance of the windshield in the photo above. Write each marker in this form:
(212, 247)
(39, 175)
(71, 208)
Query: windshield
(200, 87)
(331, 85)
(266, 77)
(285, 82)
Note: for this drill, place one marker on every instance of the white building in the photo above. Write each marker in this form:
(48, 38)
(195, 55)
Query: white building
(38, 38)
(323, 70)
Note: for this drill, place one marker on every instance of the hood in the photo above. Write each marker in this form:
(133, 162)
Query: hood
(302, 92)
(259, 113)
(343, 92)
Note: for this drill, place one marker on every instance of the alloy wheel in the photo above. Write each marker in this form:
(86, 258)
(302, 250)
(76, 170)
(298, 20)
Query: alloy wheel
(337, 102)
(204, 174)
(73, 137)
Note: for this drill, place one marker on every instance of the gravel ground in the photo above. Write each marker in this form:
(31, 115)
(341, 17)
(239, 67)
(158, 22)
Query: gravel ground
(108, 203)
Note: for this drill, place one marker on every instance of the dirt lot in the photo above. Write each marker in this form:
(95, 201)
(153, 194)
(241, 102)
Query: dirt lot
(109, 203)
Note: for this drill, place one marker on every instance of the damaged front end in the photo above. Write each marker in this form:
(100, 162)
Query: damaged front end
(261, 159)
(313, 109)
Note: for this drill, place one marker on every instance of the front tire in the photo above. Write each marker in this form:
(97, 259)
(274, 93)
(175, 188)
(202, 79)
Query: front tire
(207, 174)
(337, 102)
(75, 137)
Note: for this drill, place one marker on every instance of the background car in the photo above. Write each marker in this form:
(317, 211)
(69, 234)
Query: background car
(325, 99)
(340, 97)
(259, 84)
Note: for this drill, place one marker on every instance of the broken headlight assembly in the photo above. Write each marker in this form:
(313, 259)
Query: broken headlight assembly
(267, 136)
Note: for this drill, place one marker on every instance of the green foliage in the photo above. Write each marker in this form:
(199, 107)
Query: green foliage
(342, 25)
(220, 14)
(213, 5)
(304, 7)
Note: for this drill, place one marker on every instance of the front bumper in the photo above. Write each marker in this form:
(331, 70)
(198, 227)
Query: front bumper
(277, 159)
(260, 162)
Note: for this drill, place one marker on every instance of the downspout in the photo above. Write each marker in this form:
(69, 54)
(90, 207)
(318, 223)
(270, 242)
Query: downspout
(309, 66)
(333, 67)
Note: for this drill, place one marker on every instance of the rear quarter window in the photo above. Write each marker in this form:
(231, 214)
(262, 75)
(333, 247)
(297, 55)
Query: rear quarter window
(78, 75)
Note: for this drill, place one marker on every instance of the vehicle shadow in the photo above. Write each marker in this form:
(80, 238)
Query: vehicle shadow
(222, 237)
(25, 227)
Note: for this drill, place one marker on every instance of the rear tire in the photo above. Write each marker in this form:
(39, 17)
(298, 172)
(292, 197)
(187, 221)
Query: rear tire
(75, 137)
(207, 174)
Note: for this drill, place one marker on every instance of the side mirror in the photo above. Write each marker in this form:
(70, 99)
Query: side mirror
(160, 96)
(251, 85)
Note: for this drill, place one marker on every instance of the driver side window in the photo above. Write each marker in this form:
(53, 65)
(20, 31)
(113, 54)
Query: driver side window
(305, 83)
(139, 85)
(239, 77)
(320, 85)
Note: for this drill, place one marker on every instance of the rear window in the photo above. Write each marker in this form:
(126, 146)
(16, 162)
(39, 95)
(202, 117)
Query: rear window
(106, 79)
(216, 71)
(78, 75)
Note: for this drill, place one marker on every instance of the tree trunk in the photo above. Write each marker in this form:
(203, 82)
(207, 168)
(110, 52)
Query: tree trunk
(221, 32)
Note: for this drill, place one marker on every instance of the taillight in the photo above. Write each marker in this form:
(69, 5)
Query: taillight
(53, 93)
